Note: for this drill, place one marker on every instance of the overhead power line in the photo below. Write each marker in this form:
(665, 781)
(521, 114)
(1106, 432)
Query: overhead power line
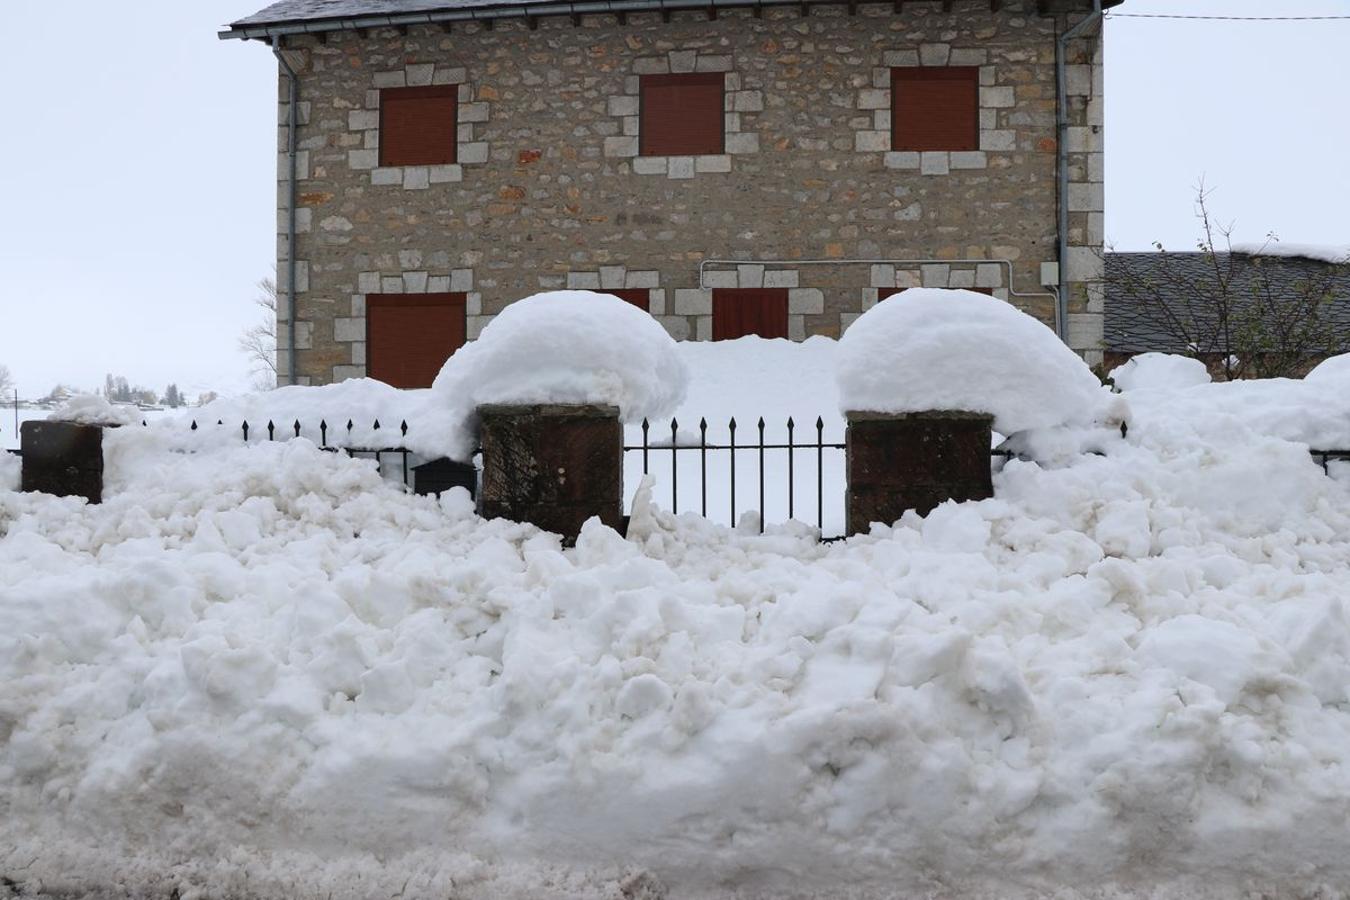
(1116, 15)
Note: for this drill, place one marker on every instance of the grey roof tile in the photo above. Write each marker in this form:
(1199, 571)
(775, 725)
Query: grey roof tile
(1135, 325)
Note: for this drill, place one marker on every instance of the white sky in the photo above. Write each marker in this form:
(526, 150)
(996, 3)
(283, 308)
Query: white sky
(138, 195)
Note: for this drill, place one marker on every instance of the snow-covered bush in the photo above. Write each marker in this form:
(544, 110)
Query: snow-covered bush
(1336, 369)
(925, 349)
(91, 409)
(1159, 372)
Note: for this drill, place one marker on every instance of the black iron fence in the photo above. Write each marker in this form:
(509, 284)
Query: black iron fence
(670, 450)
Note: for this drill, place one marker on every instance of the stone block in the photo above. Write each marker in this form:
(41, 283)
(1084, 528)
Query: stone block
(623, 105)
(656, 302)
(362, 160)
(781, 278)
(410, 259)
(742, 142)
(342, 373)
(934, 54)
(361, 119)
(649, 165)
(472, 153)
(438, 284)
(416, 178)
(989, 275)
(553, 466)
(1086, 198)
(902, 159)
(712, 164)
(414, 282)
(936, 275)
(651, 65)
(883, 275)
(391, 284)
(419, 74)
(347, 330)
(806, 301)
(872, 141)
(962, 278)
(358, 353)
(900, 58)
(707, 63)
(998, 97)
(750, 276)
(583, 281)
(917, 461)
(473, 112)
(387, 175)
(62, 458)
(621, 146)
(746, 101)
(998, 140)
(392, 79)
(682, 60)
(969, 159)
(461, 280)
(676, 326)
(720, 278)
(968, 56)
(679, 166)
(796, 327)
(643, 279)
(935, 163)
(445, 174)
(693, 302)
(611, 277)
(873, 98)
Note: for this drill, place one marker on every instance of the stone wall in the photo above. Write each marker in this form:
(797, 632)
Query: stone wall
(548, 191)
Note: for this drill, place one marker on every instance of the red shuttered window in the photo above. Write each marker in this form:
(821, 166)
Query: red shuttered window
(410, 336)
(935, 108)
(738, 312)
(681, 115)
(418, 125)
(639, 297)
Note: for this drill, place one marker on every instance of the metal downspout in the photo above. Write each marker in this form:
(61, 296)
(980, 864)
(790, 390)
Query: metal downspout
(292, 146)
(1062, 146)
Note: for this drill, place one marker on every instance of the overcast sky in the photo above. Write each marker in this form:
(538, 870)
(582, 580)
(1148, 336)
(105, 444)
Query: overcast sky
(137, 171)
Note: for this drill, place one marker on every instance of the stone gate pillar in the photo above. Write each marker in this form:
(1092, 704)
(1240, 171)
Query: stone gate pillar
(902, 461)
(63, 458)
(552, 465)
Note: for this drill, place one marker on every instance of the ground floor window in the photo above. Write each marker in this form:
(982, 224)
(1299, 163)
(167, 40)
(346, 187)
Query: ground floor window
(639, 297)
(738, 312)
(410, 336)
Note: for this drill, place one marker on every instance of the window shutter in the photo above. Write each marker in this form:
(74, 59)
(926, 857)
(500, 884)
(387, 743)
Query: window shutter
(681, 115)
(418, 125)
(639, 297)
(738, 312)
(410, 336)
(935, 108)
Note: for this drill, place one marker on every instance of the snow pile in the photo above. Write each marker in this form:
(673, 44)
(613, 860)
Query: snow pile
(566, 347)
(11, 471)
(927, 349)
(1159, 372)
(1333, 370)
(91, 409)
(259, 672)
(1328, 253)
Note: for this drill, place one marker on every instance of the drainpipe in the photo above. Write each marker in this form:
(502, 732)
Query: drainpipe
(292, 145)
(1062, 146)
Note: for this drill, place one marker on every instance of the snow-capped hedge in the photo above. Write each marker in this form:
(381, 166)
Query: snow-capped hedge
(925, 349)
(1159, 372)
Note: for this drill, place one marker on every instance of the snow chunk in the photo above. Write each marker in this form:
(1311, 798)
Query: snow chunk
(568, 347)
(91, 409)
(928, 349)
(1159, 372)
(1328, 253)
(1333, 370)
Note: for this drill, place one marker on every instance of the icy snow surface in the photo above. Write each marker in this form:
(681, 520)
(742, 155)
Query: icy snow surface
(926, 348)
(1330, 253)
(261, 672)
(1159, 372)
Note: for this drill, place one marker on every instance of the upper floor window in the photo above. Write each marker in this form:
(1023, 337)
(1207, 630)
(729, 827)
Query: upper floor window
(418, 125)
(935, 108)
(681, 115)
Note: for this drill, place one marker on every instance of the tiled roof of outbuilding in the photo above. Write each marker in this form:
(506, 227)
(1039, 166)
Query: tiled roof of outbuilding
(1133, 326)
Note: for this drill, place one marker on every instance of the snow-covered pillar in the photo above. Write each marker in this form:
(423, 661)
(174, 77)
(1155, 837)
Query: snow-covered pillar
(552, 465)
(63, 458)
(902, 461)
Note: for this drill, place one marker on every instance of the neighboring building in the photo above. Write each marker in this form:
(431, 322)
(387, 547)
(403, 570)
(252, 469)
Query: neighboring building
(1163, 302)
(733, 167)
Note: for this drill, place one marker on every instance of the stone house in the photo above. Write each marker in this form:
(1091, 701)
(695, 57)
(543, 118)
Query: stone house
(731, 166)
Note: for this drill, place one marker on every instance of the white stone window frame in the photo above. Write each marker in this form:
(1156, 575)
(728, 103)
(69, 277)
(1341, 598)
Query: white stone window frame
(471, 117)
(873, 134)
(738, 138)
(618, 278)
(698, 302)
(351, 330)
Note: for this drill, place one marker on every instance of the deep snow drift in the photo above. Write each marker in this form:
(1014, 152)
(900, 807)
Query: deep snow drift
(261, 672)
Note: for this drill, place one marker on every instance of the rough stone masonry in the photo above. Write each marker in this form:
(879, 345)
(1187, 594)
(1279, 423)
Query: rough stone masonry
(548, 191)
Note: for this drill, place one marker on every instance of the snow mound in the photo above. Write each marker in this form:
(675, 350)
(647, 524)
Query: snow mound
(1159, 372)
(928, 349)
(1333, 370)
(567, 347)
(11, 471)
(1328, 253)
(91, 409)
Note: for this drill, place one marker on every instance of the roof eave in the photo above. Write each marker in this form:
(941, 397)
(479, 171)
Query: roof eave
(271, 30)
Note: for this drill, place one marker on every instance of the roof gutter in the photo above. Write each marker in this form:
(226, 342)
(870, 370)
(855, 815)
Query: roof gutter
(1062, 148)
(292, 155)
